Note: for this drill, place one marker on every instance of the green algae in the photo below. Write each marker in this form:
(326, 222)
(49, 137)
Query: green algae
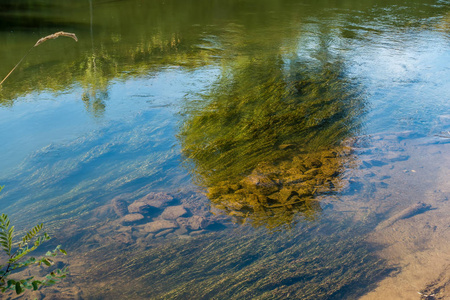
(267, 141)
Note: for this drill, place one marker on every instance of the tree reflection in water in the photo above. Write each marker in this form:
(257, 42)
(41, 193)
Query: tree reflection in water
(269, 138)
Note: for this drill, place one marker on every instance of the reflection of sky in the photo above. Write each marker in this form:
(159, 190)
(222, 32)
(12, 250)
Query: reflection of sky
(404, 74)
(406, 80)
(37, 120)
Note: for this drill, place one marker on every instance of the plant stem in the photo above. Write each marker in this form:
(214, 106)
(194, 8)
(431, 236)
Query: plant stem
(16, 65)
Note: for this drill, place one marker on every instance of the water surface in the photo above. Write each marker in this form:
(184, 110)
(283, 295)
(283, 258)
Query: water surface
(282, 133)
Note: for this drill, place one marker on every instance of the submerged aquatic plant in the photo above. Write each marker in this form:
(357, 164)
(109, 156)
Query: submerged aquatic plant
(40, 41)
(15, 258)
(265, 147)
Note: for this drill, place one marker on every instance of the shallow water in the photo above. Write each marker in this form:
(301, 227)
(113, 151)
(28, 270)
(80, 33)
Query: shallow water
(279, 133)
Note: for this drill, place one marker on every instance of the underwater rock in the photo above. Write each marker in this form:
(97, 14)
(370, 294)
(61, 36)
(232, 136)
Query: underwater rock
(120, 206)
(150, 202)
(195, 233)
(173, 212)
(181, 231)
(273, 190)
(159, 225)
(131, 218)
(164, 232)
(261, 182)
(139, 207)
(104, 212)
(124, 238)
(194, 222)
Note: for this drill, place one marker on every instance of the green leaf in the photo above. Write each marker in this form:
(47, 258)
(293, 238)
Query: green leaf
(6, 242)
(19, 288)
(26, 263)
(21, 254)
(51, 282)
(46, 262)
(11, 231)
(10, 283)
(32, 233)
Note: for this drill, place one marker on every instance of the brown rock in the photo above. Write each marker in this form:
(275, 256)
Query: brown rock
(120, 206)
(104, 212)
(158, 200)
(131, 218)
(173, 212)
(260, 182)
(139, 207)
(128, 229)
(195, 233)
(159, 225)
(181, 231)
(194, 222)
(164, 232)
(124, 238)
(150, 202)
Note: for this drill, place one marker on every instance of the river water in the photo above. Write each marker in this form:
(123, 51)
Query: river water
(231, 149)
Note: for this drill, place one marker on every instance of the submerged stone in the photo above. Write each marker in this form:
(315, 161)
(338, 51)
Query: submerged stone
(150, 202)
(194, 222)
(260, 182)
(159, 225)
(124, 238)
(119, 206)
(131, 218)
(173, 212)
(164, 232)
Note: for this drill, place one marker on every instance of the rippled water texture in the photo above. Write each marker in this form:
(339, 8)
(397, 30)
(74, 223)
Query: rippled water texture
(210, 149)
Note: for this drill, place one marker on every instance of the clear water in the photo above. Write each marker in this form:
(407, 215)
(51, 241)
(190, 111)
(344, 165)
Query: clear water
(205, 100)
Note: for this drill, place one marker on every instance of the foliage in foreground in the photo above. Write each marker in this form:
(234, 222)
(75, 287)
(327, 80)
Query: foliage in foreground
(16, 258)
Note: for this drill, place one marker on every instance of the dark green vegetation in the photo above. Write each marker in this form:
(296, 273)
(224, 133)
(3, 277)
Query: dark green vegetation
(17, 258)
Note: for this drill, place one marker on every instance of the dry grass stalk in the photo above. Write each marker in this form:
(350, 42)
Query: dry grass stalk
(56, 35)
(40, 41)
